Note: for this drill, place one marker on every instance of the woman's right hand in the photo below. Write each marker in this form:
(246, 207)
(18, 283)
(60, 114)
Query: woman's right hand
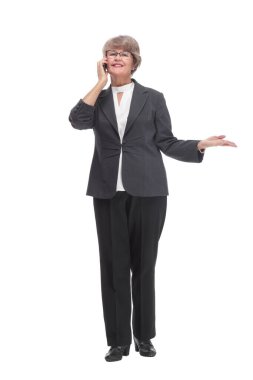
(93, 94)
(102, 73)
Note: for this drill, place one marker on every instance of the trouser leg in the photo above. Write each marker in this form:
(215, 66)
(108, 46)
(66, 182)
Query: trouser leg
(114, 252)
(146, 217)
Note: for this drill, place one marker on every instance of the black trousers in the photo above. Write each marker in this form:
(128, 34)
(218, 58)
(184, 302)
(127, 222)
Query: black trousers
(128, 229)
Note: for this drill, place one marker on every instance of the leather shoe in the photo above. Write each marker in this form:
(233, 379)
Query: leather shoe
(116, 352)
(144, 347)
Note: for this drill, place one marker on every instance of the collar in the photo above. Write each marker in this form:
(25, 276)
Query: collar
(124, 88)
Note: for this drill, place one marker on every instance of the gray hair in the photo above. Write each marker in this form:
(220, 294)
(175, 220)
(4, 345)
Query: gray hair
(127, 43)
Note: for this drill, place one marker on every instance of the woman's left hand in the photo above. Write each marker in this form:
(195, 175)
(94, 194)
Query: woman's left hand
(215, 141)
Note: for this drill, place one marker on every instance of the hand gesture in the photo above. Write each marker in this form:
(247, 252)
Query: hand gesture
(215, 141)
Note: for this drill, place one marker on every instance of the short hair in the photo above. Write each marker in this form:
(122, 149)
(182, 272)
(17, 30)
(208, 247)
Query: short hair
(127, 43)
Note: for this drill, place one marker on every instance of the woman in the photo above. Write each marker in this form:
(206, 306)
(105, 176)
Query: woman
(128, 184)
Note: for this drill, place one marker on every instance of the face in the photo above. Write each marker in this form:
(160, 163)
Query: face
(119, 65)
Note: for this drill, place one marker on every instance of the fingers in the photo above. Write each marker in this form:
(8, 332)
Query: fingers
(221, 137)
(229, 143)
(101, 62)
(216, 137)
(102, 72)
(219, 142)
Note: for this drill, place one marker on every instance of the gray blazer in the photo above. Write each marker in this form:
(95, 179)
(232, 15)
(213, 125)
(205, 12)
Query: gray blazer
(147, 134)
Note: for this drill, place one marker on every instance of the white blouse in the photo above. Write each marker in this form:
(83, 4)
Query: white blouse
(122, 111)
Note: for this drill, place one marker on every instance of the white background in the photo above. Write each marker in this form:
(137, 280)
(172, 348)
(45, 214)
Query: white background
(199, 54)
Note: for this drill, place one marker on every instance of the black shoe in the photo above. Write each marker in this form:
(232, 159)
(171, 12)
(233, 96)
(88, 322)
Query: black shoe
(145, 347)
(116, 352)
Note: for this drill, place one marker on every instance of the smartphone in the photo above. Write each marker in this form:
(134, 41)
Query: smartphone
(105, 66)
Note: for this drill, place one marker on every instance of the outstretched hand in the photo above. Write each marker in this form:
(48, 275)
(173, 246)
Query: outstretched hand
(215, 141)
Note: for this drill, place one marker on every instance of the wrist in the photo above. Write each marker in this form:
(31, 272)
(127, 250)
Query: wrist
(101, 83)
(201, 147)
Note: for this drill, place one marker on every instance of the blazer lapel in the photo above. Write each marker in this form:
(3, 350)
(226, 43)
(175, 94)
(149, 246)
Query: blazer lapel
(107, 106)
(139, 98)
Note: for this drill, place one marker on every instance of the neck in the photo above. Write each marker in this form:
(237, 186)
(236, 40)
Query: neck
(116, 82)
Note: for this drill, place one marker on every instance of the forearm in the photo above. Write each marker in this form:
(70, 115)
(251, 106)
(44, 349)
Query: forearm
(93, 94)
(182, 150)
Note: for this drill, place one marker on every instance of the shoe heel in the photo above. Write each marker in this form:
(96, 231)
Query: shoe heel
(126, 351)
(136, 347)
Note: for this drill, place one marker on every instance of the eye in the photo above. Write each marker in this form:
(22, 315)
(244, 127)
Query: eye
(112, 53)
(125, 54)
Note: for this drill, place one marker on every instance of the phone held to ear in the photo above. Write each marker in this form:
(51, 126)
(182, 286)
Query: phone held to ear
(105, 67)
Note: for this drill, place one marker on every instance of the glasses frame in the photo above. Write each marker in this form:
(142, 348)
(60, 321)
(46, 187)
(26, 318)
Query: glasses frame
(118, 53)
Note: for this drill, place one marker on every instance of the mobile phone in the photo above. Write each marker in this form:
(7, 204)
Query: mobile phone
(105, 66)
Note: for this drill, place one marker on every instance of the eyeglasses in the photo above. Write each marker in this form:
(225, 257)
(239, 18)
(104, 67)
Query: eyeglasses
(114, 54)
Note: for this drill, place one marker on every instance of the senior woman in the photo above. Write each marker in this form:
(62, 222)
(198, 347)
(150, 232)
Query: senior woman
(128, 183)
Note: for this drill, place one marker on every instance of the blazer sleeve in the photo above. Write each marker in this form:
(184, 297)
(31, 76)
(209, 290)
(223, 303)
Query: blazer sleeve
(82, 115)
(182, 150)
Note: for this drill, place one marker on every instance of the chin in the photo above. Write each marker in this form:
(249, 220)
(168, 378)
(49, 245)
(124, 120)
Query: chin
(119, 73)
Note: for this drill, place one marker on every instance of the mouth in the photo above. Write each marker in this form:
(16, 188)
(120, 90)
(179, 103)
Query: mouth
(117, 65)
